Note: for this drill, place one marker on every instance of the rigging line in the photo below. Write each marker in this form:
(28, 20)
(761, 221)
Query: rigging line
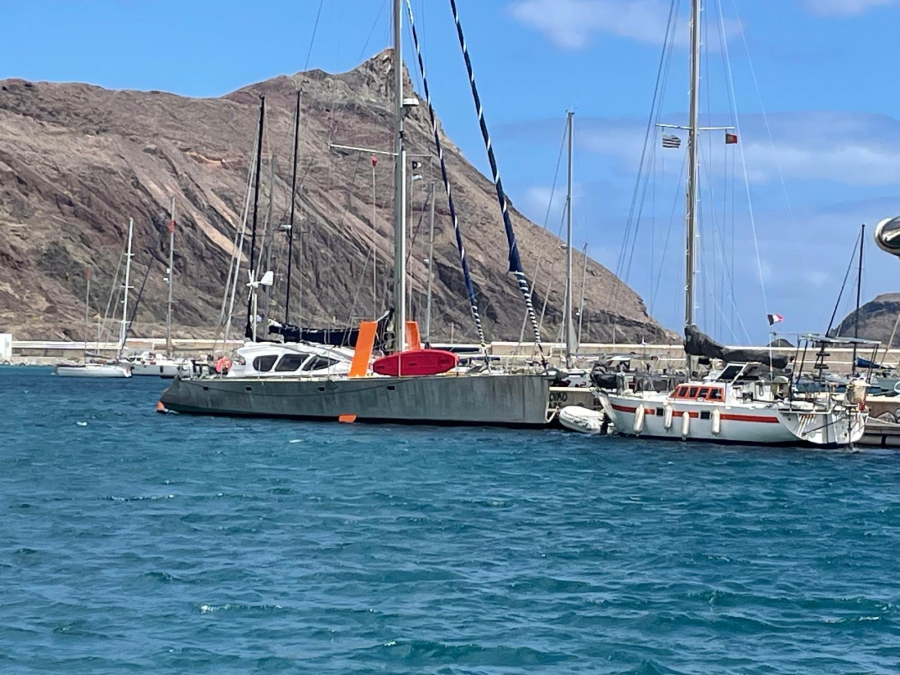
(662, 75)
(515, 263)
(457, 230)
(562, 220)
(662, 262)
(137, 301)
(112, 289)
(737, 128)
(844, 284)
(312, 40)
(763, 109)
(540, 261)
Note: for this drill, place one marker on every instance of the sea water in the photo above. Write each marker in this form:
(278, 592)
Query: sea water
(132, 542)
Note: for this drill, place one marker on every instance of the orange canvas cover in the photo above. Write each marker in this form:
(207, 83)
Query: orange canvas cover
(413, 342)
(363, 351)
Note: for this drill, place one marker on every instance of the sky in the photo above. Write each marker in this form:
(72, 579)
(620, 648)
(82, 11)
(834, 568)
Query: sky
(813, 95)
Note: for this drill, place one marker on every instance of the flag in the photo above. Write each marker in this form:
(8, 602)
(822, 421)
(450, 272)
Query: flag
(415, 164)
(670, 141)
(172, 225)
(374, 161)
(774, 318)
(730, 139)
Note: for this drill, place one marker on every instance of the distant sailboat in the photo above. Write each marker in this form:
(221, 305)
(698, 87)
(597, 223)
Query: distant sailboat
(85, 369)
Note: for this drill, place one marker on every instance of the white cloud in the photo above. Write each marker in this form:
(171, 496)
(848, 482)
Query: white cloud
(571, 24)
(845, 7)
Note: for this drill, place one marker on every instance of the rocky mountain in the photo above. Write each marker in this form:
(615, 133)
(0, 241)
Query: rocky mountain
(77, 161)
(876, 320)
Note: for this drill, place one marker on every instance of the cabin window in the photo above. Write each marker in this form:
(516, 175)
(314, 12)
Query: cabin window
(715, 395)
(704, 393)
(290, 362)
(263, 364)
(679, 393)
(693, 392)
(320, 362)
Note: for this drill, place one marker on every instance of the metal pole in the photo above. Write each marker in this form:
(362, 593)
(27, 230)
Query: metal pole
(693, 158)
(570, 295)
(290, 255)
(252, 268)
(430, 268)
(87, 311)
(123, 331)
(269, 238)
(862, 239)
(170, 275)
(399, 190)
(374, 245)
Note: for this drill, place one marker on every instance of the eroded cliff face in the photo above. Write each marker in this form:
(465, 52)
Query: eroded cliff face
(76, 161)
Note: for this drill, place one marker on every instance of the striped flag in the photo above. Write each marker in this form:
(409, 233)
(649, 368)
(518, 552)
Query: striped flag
(670, 141)
(774, 318)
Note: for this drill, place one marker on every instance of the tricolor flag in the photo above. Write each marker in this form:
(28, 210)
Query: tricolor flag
(670, 141)
(730, 139)
(774, 318)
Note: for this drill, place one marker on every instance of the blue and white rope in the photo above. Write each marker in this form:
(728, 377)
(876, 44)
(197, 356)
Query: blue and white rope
(440, 152)
(515, 263)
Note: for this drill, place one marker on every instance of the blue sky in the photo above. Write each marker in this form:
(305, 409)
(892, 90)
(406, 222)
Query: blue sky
(826, 74)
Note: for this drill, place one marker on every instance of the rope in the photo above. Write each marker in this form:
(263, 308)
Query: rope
(515, 263)
(470, 288)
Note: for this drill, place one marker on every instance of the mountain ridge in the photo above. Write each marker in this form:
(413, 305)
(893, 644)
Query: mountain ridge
(79, 160)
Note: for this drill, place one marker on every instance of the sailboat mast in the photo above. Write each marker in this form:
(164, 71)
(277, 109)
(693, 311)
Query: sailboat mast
(87, 310)
(430, 265)
(693, 165)
(399, 190)
(123, 330)
(170, 275)
(570, 296)
(859, 272)
(290, 255)
(251, 327)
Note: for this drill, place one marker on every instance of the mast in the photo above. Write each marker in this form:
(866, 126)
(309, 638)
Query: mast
(170, 275)
(251, 327)
(430, 266)
(399, 190)
(859, 271)
(123, 330)
(87, 310)
(570, 296)
(290, 255)
(693, 160)
(268, 238)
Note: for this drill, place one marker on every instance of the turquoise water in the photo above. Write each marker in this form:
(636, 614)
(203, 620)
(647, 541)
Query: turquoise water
(132, 542)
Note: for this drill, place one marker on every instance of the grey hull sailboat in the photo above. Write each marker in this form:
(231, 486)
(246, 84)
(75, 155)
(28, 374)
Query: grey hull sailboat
(472, 398)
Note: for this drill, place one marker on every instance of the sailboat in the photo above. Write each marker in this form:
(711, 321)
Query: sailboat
(85, 369)
(154, 364)
(735, 404)
(361, 394)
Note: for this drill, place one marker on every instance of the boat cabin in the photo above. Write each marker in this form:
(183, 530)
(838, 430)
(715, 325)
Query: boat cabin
(289, 360)
(699, 392)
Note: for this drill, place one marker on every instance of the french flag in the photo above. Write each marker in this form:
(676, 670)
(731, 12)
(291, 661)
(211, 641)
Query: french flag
(774, 318)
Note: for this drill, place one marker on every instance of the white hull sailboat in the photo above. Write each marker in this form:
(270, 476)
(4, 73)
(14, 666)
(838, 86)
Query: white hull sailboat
(102, 370)
(741, 403)
(734, 412)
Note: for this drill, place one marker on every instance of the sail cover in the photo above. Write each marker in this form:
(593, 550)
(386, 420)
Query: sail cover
(341, 336)
(697, 343)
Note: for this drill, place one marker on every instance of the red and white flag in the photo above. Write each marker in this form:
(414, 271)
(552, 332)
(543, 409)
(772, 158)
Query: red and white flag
(774, 318)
